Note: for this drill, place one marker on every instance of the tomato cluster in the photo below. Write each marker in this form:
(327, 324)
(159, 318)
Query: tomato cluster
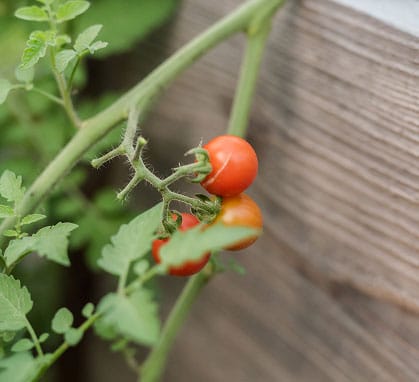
(190, 267)
(234, 167)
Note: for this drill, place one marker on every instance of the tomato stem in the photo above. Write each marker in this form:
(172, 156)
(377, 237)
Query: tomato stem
(153, 367)
(257, 35)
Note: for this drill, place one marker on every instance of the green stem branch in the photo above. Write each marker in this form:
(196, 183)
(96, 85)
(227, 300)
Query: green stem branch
(51, 97)
(249, 71)
(153, 367)
(73, 73)
(67, 102)
(35, 338)
(52, 358)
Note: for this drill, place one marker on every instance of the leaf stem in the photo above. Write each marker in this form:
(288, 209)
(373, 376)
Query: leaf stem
(34, 337)
(73, 72)
(142, 279)
(67, 101)
(152, 369)
(122, 281)
(52, 97)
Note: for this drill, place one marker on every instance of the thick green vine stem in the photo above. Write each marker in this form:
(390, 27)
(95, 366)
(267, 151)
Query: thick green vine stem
(96, 127)
(152, 369)
(256, 41)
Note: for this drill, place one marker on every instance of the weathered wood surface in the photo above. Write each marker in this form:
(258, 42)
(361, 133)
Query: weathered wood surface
(332, 291)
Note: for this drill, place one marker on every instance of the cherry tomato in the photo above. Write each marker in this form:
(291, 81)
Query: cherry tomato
(240, 210)
(190, 267)
(234, 165)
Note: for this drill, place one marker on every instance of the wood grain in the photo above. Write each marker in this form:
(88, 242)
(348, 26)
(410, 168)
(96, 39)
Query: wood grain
(332, 291)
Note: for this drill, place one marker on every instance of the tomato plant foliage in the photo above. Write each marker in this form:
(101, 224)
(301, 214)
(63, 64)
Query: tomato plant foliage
(44, 134)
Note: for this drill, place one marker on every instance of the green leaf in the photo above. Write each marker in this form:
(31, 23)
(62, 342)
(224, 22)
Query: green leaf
(132, 242)
(104, 331)
(194, 243)
(85, 38)
(62, 39)
(24, 344)
(25, 75)
(36, 48)
(5, 87)
(87, 310)
(29, 219)
(62, 321)
(7, 336)
(134, 317)
(52, 242)
(71, 9)
(10, 233)
(19, 248)
(6, 211)
(19, 367)
(98, 45)
(73, 336)
(15, 303)
(32, 13)
(63, 58)
(46, 2)
(43, 337)
(11, 187)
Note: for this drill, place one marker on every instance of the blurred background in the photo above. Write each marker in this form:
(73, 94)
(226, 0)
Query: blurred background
(332, 289)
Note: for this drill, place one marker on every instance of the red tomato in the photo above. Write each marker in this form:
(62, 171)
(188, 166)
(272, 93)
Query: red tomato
(240, 210)
(190, 267)
(234, 165)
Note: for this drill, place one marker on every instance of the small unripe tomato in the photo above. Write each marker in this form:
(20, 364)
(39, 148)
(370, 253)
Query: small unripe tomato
(234, 165)
(190, 267)
(240, 210)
